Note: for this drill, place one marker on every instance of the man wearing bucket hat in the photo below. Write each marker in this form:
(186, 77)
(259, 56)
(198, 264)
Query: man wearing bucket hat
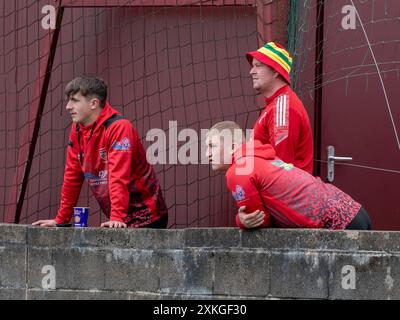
(284, 123)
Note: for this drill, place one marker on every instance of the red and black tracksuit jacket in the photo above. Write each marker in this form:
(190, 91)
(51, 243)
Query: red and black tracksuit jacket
(109, 155)
(289, 196)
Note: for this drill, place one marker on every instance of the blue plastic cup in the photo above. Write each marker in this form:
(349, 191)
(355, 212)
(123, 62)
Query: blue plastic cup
(81, 215)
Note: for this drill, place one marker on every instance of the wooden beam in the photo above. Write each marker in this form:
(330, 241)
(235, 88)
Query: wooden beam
(154, 3)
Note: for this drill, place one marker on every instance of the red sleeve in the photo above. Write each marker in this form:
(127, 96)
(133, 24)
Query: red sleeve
(73, 180)
(261, 129)
(121, 142)
(244, 191)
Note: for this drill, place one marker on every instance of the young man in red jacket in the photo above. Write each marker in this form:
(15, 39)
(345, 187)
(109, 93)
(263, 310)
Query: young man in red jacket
(280, 194)
(104, 149)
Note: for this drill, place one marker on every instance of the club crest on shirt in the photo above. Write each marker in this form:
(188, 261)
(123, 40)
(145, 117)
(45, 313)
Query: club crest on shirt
(239, 194)
(103, 154)
(123, 145)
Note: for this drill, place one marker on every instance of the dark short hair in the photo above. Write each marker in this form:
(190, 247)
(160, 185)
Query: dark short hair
(88, 87)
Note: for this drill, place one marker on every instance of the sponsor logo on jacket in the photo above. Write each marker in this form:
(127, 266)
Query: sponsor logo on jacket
(94, 180)
(90, 176)
(123, 145)
(283, 165)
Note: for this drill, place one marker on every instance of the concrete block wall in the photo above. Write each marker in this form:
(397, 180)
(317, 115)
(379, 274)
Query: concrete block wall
(217, 263)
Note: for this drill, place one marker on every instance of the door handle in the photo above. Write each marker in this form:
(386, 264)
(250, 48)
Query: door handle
(331, 162)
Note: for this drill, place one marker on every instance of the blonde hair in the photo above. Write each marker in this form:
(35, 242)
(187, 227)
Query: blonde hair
(230, 128)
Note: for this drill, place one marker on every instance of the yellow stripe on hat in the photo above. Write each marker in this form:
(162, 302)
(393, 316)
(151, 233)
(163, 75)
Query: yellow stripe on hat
(283, 51)
(275, 57)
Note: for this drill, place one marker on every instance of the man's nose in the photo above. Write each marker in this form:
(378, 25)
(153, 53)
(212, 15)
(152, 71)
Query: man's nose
(68, 106)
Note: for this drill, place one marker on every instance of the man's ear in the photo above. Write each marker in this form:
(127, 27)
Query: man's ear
(94, 103)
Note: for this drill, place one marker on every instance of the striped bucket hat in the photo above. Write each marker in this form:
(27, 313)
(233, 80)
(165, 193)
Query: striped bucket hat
(275, 56)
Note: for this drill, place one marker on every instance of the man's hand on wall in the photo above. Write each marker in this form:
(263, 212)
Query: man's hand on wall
(113, 224)
(45, 223)
(251, 220)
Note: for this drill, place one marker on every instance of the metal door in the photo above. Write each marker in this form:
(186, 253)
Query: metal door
(360, 111)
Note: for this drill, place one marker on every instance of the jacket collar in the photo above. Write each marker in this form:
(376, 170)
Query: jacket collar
(104, 115)
(277, 94)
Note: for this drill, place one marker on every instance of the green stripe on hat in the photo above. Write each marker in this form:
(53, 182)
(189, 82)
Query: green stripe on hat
(279, 53)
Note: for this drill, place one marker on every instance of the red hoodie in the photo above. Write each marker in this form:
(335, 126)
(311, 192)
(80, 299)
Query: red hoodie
(111, 157)
(284, 124)
(289, 197)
